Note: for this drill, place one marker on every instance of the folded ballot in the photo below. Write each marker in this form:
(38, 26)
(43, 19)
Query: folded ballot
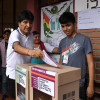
(48, 60)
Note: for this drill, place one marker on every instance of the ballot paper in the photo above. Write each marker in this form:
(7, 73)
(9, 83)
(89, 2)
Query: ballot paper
(47, 59)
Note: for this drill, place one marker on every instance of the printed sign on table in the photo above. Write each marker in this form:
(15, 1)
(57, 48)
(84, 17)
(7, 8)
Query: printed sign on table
(43, 80)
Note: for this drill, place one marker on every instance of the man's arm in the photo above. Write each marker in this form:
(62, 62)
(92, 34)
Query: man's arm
(55, 50)
(90, 61)
(50, 49)
(37, 53)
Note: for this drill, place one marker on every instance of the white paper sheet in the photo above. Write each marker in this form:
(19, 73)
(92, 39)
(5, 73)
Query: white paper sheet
(48, 60)
(89, 19)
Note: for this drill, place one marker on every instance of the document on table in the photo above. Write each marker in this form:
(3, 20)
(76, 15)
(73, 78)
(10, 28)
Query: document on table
(47, 59)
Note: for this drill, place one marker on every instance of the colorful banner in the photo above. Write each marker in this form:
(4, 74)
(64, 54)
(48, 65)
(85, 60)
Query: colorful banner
(51, 31)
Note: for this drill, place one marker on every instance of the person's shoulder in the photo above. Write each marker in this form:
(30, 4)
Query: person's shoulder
(14, 33)
(83, 36)
(2, 41)
(63, 39)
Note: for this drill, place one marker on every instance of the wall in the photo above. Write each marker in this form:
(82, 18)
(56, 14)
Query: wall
(8, 12)
(33, 6)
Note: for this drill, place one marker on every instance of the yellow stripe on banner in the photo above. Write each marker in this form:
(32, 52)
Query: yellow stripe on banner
(46, 23)
(47, 77)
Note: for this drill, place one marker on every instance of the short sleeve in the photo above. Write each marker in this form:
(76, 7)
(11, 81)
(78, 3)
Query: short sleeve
(59, 47)
(14, 37)
(88, 45)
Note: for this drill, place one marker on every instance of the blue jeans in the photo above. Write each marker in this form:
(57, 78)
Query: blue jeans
(4, 81)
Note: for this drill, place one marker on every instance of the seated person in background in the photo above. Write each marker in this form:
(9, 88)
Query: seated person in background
(43, 46)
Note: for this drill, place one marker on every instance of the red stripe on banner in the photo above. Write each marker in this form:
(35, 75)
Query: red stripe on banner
(45, 17)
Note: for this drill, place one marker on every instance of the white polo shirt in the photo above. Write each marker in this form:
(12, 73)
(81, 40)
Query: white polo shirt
(13, 57)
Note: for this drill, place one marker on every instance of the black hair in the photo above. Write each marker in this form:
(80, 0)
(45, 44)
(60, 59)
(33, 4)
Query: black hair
(1, 36)
(67, 17)
(9, 31)
(35, 32)
(25, 14)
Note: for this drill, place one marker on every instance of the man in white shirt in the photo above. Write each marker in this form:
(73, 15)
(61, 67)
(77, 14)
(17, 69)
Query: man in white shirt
(20, 48)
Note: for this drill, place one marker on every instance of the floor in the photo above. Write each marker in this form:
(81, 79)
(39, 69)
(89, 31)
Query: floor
(1, 95)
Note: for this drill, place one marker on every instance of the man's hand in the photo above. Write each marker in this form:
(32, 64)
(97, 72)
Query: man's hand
(90, 91)
(36, 53)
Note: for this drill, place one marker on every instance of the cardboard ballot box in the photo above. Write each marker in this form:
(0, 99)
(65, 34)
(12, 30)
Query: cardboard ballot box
(44, 82)
(50, 83)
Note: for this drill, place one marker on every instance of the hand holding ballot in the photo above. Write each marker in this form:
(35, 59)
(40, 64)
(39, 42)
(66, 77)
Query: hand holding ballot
(47, 59)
